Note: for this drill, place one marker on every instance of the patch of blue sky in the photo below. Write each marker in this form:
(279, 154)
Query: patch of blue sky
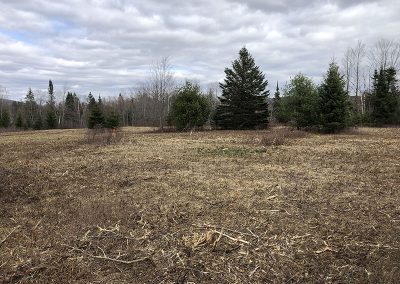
(24, 37)
(61, 25)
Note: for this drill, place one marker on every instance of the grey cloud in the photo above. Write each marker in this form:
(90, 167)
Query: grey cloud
(105, 46)
(284, 6)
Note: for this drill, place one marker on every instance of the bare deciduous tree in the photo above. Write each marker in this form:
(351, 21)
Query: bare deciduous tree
(385, 54)
(160, 87)
(348, 67)
(41, 98)
(357, 54)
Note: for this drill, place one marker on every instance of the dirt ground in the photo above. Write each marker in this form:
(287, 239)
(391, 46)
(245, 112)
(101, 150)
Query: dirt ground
(206, 207)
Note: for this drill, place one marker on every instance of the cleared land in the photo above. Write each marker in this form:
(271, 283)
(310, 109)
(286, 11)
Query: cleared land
(211, 207)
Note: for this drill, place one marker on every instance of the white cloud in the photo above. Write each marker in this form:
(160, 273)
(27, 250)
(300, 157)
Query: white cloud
(105, 46)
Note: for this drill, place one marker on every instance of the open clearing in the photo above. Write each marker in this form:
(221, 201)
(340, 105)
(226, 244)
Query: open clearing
(211, 207)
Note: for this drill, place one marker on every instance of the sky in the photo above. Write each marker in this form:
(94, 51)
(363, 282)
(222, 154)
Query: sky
(108, 46)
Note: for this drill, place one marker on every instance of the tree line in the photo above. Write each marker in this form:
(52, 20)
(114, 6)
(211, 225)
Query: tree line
(350, 96)
(369, 86)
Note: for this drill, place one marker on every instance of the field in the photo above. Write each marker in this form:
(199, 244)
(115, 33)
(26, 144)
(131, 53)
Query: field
(206, 207)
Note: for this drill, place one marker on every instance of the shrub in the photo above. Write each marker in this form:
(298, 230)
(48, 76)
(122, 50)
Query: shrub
(190, 108)
(281, 136)
(101, 135)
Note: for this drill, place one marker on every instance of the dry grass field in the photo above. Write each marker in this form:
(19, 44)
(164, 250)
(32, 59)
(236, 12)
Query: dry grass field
(210, 207)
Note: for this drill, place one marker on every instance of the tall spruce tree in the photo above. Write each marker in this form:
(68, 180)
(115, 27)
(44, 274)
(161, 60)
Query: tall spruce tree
(384, 98)
(244, 96)
(334, 101)
(276, 103)
(71, 113)
(91, 102)
(30, 109)
(96, 117)
(51, 117)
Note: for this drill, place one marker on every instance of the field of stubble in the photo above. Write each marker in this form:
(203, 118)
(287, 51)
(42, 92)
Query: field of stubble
(210, 207)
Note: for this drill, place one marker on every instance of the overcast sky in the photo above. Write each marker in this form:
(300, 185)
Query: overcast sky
(107, 46)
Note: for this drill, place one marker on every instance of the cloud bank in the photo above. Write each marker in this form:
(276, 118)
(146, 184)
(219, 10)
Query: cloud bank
(107, 46)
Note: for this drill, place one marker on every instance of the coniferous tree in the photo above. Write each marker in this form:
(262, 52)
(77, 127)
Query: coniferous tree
(384, 98)
(244, 96)
(30, 109)
(100, 104)
(334, 103)
(277, 102)
(51, 117)
(71, 114)
(5, 120)
(38, 123)
(91, 102)
(112, 121)
(190, 108)
(96, 118)
(302, 101)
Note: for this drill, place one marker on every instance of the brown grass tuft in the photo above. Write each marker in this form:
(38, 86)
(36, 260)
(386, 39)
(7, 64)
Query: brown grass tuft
(281, 136)
(103, 135)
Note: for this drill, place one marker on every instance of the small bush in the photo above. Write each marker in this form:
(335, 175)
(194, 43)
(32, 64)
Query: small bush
(281, 136)
(101, 135)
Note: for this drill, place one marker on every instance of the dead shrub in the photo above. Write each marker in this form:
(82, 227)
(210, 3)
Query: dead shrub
(281, 136)
(101, 135)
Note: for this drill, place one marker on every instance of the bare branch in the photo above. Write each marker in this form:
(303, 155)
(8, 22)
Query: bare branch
(385, 54)
(347, 66)
(9, 234)
(105, 257)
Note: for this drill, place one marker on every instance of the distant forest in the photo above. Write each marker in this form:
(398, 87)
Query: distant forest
(368, 76)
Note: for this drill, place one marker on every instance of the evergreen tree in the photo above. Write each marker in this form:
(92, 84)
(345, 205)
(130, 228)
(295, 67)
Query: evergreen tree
(96, 118)
(100, 101)
(244, 96)
(100, 104)
(302, 101)
(334, 103)
(190, 108)
(38, 123)
(278, 107)
(112, 121)
(30, 108)
(5, 120)
(51, 117)
(91, 102)
(71, 114)
(384, 99)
